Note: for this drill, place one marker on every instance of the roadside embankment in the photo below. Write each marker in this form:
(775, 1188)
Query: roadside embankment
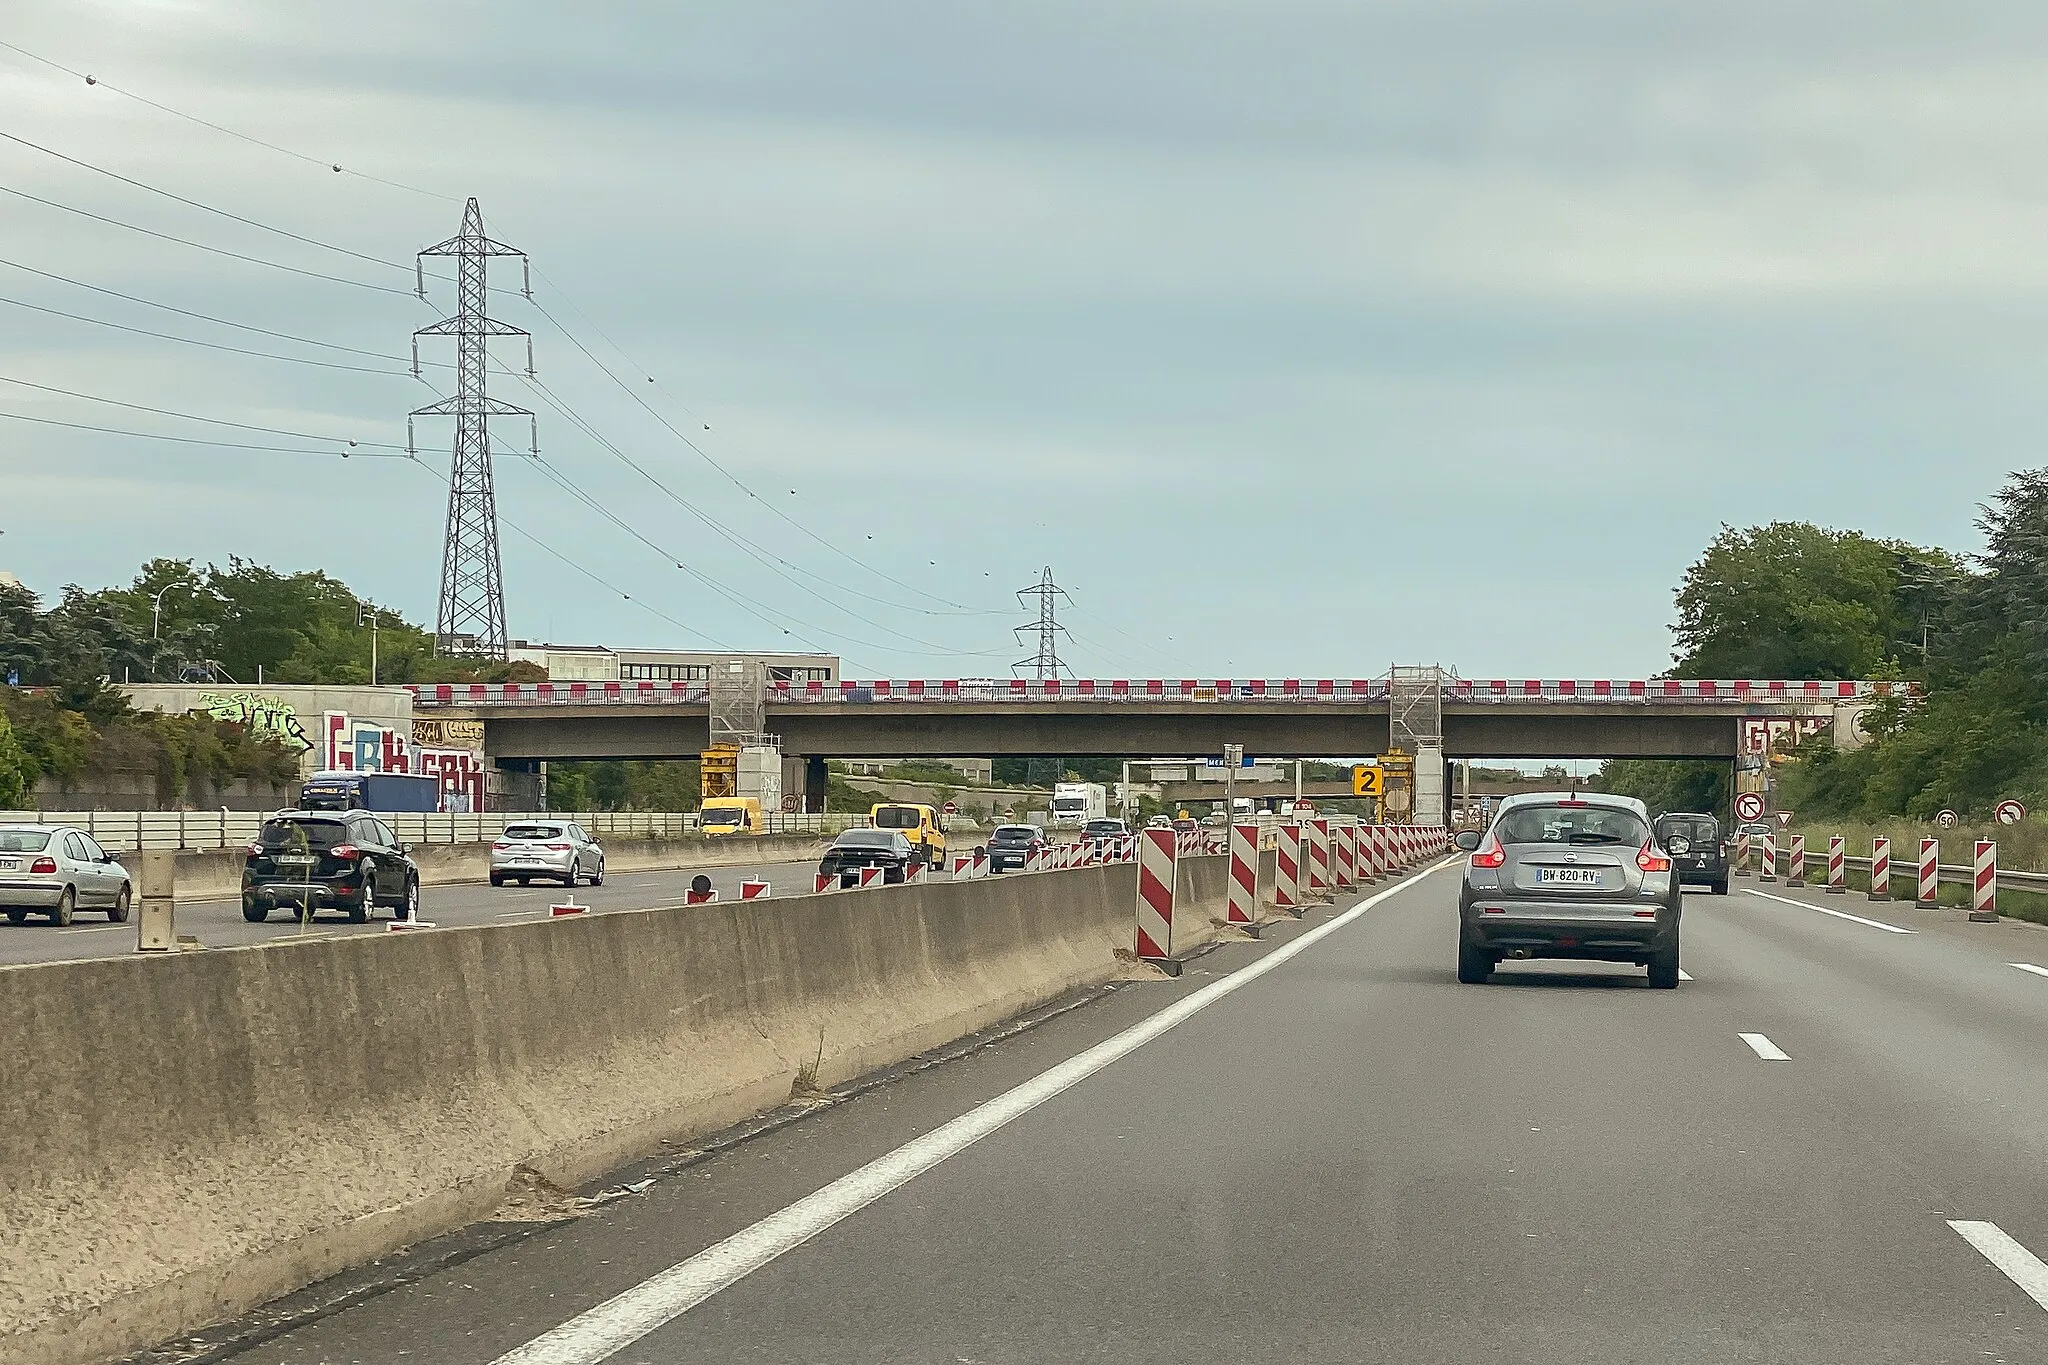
(216, 874)
(194, 1134)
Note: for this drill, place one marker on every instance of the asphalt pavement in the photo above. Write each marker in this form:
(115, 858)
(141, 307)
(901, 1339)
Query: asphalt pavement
(219, 923)
(1829, 1144)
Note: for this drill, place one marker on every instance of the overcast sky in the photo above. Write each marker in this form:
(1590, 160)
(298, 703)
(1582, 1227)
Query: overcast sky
(1298, 337)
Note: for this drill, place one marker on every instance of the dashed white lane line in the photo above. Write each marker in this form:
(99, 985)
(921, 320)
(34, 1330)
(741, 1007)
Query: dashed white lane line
(2029, 967)
(1838, 914)
(597, 1333)
(1764, 1047)
(2019, 1265)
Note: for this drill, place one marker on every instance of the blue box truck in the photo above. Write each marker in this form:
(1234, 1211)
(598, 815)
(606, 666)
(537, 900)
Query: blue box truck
(370, 791)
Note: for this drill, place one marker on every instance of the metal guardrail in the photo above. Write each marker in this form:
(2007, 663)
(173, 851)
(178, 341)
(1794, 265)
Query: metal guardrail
(204, 831)
(1906, 870)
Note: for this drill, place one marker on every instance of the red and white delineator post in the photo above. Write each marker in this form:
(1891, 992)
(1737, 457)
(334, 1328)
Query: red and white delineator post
(1344, 854)
(1837, 862)
(1287, 869)
(1318, 859)
(1242, 900)
(1984, 883)
(1767, 859)
(1158, 873)
(1927, 894)
(1741, 868)
(1795, 862)
(1880, 869)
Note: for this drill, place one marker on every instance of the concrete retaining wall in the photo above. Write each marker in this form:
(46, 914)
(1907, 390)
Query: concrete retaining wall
(189, 1136)
(214, 875)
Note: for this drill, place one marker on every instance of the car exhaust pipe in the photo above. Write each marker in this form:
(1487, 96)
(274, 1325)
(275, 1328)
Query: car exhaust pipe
(1519, 954)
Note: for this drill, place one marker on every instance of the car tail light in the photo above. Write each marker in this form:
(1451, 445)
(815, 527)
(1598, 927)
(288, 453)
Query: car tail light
(1575, 805)
(1489, 853)
(558, 848)
(43, 867)
(345, 852)
(1650, 860)
(255, 850)
(500, 846)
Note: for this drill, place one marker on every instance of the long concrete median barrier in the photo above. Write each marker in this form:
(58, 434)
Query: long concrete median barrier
(191, 1135)
(215, 875)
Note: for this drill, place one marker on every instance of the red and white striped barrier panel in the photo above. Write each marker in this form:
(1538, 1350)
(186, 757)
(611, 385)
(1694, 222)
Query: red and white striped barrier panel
(1216, 842)
(1795, 861)
(1158, 854)
(1880, 869)
(1318, 859)
(913, 872)
(570, 907)
(694, 897)
(1927, 893)
(1344, 855)
(1742, 853)
(752, 890)
(1242, 902)
(872, 876)
(1767, 858)
(960, 866)
(1837, 860)
(1287, 868)
(980, 862)
(1382, 851)
(1984, 892)
(1361, 857)
(825, 882)
(1038, 859)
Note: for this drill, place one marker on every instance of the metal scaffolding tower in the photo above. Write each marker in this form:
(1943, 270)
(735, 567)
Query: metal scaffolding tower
(471, 618)
(1046, 663)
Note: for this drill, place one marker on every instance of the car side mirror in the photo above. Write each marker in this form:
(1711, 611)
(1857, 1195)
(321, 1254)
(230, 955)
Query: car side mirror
(406, 849)
(1468, 839)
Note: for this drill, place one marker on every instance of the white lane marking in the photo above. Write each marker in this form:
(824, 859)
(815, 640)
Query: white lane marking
(1764, 1047)
(1684, 975)
(2029, 967)
(2020, 1265)
(1838, 914)
(623, 1319)
(96, 929)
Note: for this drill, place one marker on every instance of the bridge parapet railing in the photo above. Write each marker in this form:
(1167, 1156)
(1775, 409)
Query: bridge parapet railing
(211, 830)
(941, 691)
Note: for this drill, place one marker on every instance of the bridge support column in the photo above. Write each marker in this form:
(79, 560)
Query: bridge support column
(815, 778)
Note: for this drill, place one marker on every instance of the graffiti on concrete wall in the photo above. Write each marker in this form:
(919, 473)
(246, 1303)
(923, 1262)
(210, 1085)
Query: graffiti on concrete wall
(261, 715)
(358, 746)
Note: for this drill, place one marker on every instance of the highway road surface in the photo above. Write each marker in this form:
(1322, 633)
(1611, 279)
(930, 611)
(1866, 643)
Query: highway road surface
(219, 923)
(1830, 1144)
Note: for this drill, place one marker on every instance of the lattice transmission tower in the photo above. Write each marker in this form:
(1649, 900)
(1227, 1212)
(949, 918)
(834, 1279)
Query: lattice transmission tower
(1046, 663)
(471, 618)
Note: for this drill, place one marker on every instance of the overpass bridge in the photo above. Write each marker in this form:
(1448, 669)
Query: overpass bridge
(1122, 718)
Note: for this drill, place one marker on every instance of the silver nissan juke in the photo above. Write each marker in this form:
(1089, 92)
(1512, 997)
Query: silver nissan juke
(1568, 875)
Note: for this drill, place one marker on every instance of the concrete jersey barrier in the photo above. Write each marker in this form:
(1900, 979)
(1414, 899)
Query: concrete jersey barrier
(193, 1135)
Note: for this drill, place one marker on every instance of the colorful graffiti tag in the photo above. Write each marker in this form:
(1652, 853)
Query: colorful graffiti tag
(260, 714)
(360, 747)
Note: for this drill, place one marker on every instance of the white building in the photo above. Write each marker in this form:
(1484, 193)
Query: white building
(596, 663)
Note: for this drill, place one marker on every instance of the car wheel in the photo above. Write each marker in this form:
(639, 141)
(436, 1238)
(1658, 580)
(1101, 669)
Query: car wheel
(409, 908)
(497, 879)
(66, 903)
(118, 911)
(575, 871)
(359, 912)
(17, 916)
(598, 880)
(1664, 967)
(1721, 887)
(1475, 965)
(255, 911)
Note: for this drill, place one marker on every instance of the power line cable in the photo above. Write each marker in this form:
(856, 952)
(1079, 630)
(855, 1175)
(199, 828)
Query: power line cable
(210, 345)
(194, 203)
(334, 166)
(205, 317)
(196, 440)
(202, 246)
(194, 417)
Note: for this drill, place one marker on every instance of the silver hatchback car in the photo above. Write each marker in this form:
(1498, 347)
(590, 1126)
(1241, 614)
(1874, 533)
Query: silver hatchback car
(55, 870)
(559, 850)
(1568, 875)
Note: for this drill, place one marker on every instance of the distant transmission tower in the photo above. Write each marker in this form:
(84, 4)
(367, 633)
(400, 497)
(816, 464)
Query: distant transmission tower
(471, 619)
(1046, 663)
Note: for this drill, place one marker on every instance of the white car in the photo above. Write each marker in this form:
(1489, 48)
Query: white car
(558, 850)
(56, 870)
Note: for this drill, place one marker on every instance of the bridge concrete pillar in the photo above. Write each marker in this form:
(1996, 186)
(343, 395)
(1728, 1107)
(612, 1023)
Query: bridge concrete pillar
(814, 786)
(1430, 786)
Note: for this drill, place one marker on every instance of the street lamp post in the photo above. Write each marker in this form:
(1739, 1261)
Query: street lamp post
(156, 613)
(371, 612)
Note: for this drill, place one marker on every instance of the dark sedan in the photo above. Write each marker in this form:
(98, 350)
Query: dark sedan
(1010, 846)
(859, 848)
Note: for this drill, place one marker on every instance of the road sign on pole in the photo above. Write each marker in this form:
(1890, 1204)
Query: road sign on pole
(1367, 779)
(2010, 812)
(1947, 819)
(1749, 806)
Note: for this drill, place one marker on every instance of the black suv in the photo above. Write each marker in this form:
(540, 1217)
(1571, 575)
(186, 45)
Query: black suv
(342, 860)
(1694, 843)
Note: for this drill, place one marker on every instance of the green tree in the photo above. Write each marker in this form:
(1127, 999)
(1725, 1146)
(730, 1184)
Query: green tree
(17, 770)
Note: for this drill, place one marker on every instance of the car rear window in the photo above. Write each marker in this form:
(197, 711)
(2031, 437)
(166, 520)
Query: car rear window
(24, 840)
(867, 838)
(898, 817)
(313, 834)
(1571, 824)
(1006, 834)
(1105, 827)
(1699, 829)
(533, 832)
